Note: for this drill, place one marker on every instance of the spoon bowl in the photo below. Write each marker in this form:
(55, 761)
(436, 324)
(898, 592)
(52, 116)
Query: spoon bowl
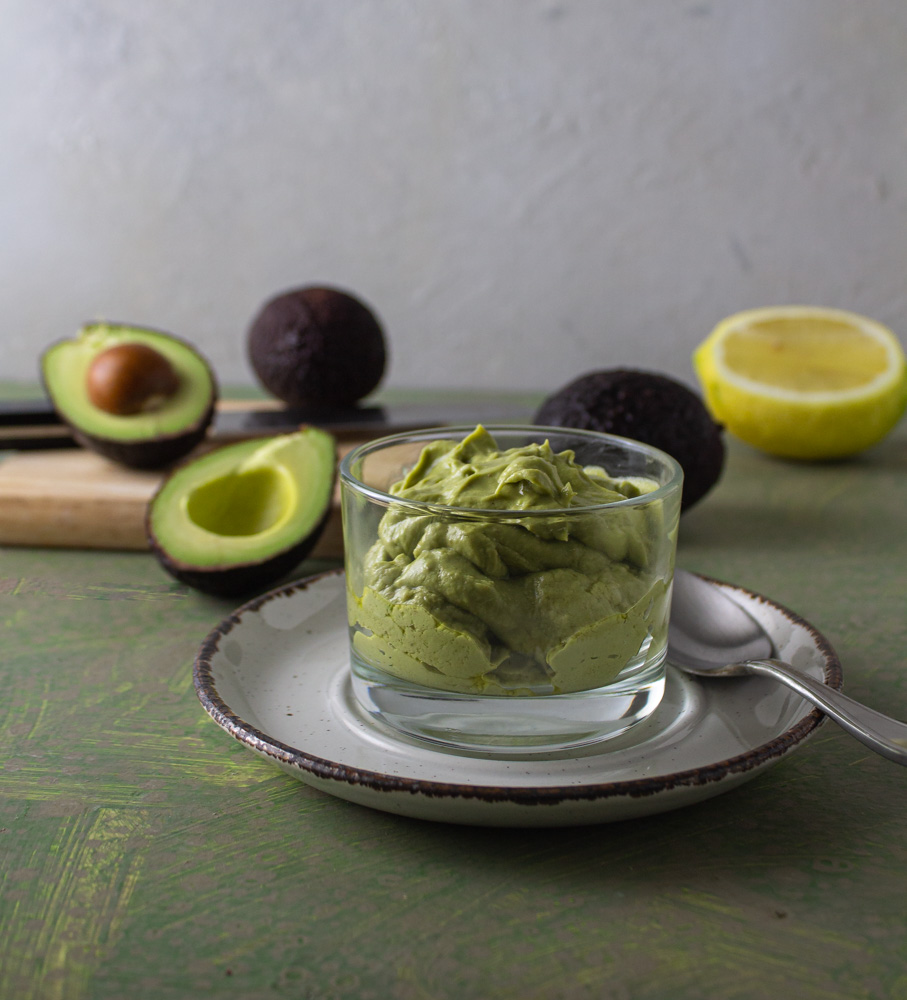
(710, 635)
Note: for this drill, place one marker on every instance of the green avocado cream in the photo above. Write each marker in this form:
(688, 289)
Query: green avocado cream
(540, 604)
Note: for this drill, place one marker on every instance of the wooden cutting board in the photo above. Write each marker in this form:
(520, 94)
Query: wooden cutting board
(73, 498)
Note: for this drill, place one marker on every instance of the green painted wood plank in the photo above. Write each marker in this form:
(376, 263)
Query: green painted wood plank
(143, 853)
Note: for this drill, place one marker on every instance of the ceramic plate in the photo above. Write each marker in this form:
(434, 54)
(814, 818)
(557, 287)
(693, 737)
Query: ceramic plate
(275, 676)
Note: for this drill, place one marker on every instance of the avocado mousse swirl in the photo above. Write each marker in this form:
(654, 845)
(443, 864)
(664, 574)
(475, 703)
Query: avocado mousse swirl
(541, 604)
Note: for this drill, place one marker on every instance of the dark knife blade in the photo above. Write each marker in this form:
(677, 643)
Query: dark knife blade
(33, 424)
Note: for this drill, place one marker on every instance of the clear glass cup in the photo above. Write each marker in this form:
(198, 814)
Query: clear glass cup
(509, 631)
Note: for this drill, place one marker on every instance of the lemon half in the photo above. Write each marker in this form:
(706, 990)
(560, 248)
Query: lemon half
(803, 382)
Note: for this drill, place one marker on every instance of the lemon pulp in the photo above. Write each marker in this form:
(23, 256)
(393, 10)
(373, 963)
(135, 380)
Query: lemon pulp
(823, 356)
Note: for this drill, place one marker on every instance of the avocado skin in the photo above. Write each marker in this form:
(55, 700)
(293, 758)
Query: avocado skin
(242, 579)
(317, 346)
(648, 407)
(144, 453)
(150, 453)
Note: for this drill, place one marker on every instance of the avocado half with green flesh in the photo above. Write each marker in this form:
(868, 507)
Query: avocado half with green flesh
(174, 396)
(238, 518)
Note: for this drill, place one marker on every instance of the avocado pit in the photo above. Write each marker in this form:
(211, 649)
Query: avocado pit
(130, 378)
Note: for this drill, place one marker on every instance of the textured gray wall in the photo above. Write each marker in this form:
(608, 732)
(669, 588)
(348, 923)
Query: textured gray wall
(523, 189)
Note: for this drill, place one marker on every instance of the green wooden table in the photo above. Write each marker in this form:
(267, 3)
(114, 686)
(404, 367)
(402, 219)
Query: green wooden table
(144, 853)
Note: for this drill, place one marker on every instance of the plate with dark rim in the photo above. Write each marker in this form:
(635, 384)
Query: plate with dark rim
(275, 676)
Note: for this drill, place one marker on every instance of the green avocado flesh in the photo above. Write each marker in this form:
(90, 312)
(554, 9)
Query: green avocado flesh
(65, 369)
(244, 503)
(535, 604)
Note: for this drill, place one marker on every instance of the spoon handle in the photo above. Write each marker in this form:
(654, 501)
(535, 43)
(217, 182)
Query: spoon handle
(881, 733)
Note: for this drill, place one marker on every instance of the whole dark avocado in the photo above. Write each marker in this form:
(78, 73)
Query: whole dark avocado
(317, 346)
(140, 397)
(647, 407)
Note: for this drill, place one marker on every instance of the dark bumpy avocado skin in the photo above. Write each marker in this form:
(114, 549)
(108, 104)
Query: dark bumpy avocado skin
(317, 346)
(648, 407)
(239, 580)
(151, 453)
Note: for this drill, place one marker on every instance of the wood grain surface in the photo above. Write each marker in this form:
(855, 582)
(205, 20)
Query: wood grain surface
(143, 853)
(72, 498)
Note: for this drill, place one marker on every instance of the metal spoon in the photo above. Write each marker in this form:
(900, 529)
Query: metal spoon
(713, 636)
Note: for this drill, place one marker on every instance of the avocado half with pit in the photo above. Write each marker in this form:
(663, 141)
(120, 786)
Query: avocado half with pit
(240, 517)
(140, 397)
